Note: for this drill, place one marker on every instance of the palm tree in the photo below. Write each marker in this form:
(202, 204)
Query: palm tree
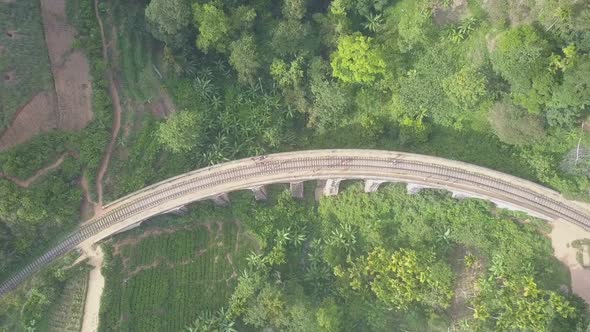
(374, 22)
(282, 236)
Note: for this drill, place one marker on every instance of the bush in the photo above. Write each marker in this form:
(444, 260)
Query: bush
(513, 126)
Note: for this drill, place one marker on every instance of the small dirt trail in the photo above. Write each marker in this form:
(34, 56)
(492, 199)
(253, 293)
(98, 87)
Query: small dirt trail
(26, 183)
(104, 165)
(89, 208)
(96, 284)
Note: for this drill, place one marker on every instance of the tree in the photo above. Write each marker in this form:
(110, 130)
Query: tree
(268, 309)
(401, 278)
(413, 23)
(513, 126)
(170, 16)
(288, 76)
(522, 58)
(329, 316)
(466, 88)
(292, 37)
(294, 9)
(181, 132)
(508, 302)
(356, 60)
(244, 58)
(574, 92)
(213, 25)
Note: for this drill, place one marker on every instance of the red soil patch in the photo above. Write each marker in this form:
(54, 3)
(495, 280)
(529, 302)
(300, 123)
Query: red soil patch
(71, 71)
(72, 82)
(35, 117)
(162, 107)
(12, 34)
(452, 14)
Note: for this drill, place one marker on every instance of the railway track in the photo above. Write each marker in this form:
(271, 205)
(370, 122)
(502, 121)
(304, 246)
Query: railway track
(309, 165)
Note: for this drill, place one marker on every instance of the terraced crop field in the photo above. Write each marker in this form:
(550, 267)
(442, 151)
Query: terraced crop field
(162, 278)
(66, 314)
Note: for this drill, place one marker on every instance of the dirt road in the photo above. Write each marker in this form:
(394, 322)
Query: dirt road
(95, 288)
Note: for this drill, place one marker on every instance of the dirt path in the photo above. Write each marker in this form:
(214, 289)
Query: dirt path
(95, 288)
(89, 208)
(26, 183)
(562, 235)
(104, 165)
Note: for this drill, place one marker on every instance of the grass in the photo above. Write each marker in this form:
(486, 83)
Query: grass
(26, 55)
(136, 51)
(160, 279)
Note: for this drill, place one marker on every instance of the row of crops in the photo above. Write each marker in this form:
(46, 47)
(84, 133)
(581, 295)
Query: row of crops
(66, 315)
(163, 281)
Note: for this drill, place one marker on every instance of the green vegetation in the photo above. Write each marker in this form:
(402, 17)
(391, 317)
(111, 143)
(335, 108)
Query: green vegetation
(31, 218)
(53, 300)
(173, 271)
(21, 54)
(180, 131)
(503, 84)
(356, 261)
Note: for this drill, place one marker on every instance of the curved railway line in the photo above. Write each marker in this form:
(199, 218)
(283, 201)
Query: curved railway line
(312, 165)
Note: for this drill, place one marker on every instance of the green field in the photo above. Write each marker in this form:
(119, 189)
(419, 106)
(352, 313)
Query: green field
(160, 280)
(24, 53)
(137, 51)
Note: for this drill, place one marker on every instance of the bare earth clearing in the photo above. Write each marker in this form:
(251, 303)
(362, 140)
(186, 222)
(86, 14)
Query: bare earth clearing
(562, 235)
(70, 68)
(37, 116)
(69, 106)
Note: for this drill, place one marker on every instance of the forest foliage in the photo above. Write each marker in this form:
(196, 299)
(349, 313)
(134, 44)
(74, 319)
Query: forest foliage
(353, 262)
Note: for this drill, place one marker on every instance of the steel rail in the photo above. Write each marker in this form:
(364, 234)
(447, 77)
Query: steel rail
(310, 165)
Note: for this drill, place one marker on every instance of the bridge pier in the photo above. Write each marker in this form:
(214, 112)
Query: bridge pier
(332, 187)
(259, 193)
(372, 186)
(296, 189)
(413, 188)
(178, 211)
(461, 195)
(127, 228)
(221, 200)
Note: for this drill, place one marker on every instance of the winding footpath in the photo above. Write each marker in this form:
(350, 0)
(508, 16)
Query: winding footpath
(373, 166)
(104, 165)
(40, 173)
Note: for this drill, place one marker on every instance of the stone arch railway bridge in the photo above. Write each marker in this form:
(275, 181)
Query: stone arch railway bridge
(332, 166)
